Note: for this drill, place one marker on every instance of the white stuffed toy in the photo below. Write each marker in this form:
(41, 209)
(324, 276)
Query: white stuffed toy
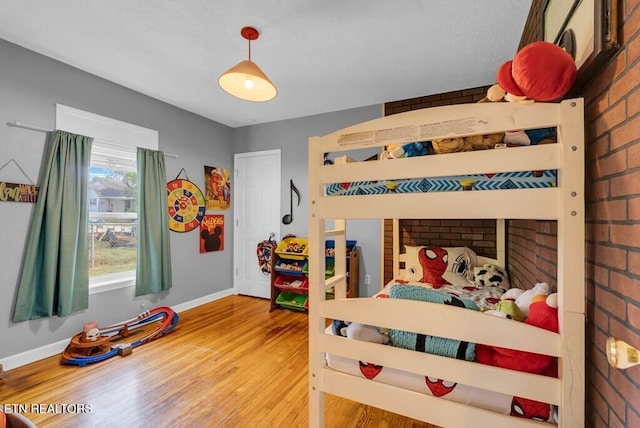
(357, 331)
(368, 333)
(489, 275)
(524, 299)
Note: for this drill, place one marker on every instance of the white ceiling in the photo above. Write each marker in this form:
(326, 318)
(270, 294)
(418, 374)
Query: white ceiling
(322, 55)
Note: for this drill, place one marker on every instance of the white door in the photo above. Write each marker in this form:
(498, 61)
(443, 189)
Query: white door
(256, 215)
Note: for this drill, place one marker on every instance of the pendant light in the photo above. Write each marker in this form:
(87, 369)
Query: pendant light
(245, 80)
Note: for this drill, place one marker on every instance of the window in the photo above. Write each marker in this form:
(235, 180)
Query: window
(112, 221)
(112, 194)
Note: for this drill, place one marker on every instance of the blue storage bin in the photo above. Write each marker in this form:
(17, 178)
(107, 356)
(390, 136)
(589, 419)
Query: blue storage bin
(330, 245)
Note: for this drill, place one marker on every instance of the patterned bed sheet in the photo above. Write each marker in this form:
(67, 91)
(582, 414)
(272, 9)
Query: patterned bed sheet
(484, 297)
(488, 181)
(485, 399)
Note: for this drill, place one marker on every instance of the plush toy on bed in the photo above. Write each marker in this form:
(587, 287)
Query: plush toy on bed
(489, 275)
(357, 331)
(472, 142)
(524, 299)
(407, 150)
(521, 298)
(507, 308)
(466, 144)
(543, 313)
(541, 71)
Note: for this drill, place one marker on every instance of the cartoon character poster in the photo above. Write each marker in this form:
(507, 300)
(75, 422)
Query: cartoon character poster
(212, 233)
(217, 188)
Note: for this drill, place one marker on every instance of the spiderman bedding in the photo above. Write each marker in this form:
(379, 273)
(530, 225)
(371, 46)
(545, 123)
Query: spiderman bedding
(463, 297)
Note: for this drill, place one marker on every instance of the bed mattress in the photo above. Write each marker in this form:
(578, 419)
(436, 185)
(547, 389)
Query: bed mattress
(497, 181)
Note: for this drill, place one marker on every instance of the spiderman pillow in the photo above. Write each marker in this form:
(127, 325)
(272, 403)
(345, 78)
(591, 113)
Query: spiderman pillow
(439, 266)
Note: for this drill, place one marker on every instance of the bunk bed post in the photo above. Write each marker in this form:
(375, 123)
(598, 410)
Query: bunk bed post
(396, 248)
(316, 288)
(501, 238)
(340, 257)
(571, 268)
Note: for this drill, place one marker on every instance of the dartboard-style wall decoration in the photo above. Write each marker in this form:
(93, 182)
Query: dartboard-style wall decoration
(186, 205)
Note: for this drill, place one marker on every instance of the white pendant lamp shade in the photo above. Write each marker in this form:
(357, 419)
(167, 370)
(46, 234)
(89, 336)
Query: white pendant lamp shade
(246, 80)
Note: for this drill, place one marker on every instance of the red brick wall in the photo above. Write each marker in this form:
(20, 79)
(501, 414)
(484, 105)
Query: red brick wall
(532, 252)
(612, 101)
(612, 125)
(455, 97)
(479, 235)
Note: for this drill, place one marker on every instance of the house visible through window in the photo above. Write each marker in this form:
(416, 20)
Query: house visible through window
(112, 194)
(112, 212)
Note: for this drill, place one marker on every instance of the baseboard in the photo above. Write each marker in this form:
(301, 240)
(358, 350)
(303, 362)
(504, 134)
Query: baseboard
(202, 300)
(46, 351)
(33, 355)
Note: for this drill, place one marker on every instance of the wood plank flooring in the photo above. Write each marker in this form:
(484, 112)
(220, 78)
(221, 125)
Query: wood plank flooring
(229, 363)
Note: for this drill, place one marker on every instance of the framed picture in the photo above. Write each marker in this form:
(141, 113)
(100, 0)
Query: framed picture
(212, 233)
(217, 188)
(587, 29)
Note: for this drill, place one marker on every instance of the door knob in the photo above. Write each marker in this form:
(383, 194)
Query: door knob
(620, 354)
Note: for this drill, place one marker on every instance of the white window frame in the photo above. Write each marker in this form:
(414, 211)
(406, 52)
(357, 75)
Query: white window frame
(114, 133)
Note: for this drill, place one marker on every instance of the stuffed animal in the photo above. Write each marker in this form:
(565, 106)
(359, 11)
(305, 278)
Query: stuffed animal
(466, 144)
(416, 149)
(407, 150)
(494, 94)
(543, 313)
(507, 308)
(541, 71)
(489, 275)
(530, 137)
(472, 142)
(524, 299)
(357, 331)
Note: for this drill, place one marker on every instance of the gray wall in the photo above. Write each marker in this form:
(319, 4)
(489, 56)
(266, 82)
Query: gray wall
(292, 137)
(31, 85)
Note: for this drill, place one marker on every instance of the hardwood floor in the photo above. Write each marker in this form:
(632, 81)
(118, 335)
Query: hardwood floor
(229, 363)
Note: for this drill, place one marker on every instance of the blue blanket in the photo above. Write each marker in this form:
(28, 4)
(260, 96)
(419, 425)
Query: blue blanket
(431, 344)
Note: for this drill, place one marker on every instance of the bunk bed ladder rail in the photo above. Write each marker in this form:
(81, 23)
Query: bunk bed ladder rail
(318, 284)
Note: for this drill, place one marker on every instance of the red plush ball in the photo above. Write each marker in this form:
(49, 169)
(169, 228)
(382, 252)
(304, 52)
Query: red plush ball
(540, 71)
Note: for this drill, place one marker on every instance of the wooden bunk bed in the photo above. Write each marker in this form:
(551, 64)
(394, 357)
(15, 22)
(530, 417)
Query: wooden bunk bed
(562, 202)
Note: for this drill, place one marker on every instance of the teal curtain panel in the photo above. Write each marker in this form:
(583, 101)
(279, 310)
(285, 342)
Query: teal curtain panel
(54, 280)
(153, 274)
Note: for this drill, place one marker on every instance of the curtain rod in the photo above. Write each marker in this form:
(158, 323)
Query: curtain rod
(17, 124)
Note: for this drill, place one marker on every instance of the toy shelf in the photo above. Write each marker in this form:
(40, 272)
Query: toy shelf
(289, 282)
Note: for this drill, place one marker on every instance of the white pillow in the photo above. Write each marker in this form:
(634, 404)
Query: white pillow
(440, 261)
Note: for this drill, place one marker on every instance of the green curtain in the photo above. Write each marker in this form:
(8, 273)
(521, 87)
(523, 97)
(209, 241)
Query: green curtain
(55, 275)
(153, 271)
